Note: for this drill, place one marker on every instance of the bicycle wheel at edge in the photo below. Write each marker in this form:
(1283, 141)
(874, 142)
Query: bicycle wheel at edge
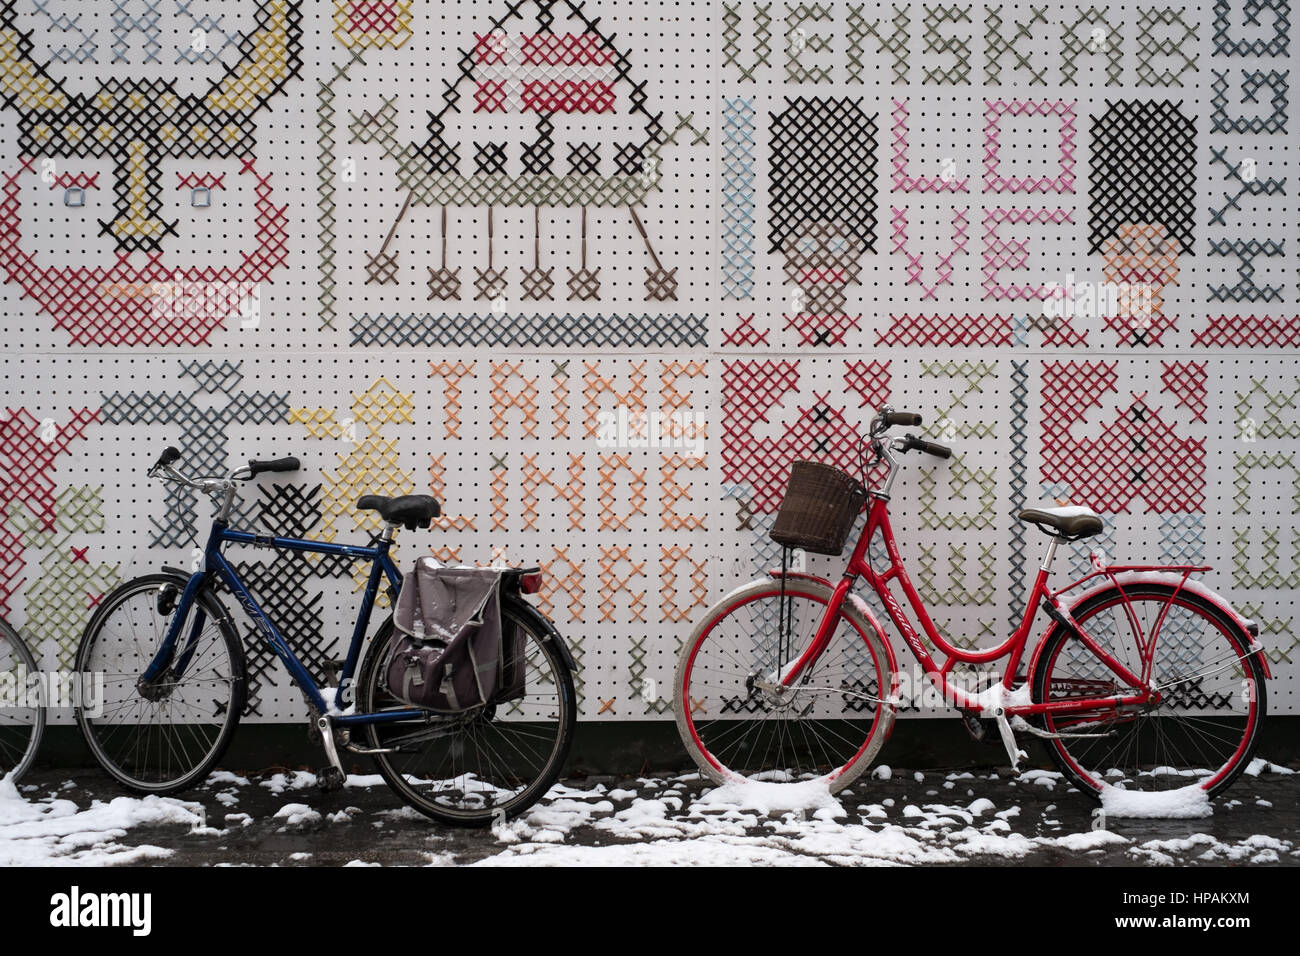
(1204, 729)
(21, 726)
(169, 744)
(487, 765)
(830, 726)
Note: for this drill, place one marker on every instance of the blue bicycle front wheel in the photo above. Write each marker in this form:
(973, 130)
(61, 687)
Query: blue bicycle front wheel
(163, 735)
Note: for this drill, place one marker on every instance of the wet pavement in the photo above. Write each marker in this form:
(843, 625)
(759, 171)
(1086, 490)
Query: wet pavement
(278, 817)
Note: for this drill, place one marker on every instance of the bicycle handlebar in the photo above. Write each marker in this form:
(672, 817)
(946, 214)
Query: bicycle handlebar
(911, 442)
(278, 464)
(171, 455)
(892, 418)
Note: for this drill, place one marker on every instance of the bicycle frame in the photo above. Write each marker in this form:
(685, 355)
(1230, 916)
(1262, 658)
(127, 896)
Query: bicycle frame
(215, 564)
(1013, 648)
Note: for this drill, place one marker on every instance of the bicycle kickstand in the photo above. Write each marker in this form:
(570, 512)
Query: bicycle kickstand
(1014, 753)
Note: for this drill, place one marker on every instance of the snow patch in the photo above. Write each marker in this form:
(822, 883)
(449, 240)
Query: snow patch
(297, 814)
(1184, 803)
(769, 798)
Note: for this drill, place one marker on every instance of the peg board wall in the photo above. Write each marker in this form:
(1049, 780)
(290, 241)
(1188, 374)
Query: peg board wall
(460, 247)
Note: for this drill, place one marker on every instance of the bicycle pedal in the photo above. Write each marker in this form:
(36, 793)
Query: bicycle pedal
(329, 778)
(332, 669)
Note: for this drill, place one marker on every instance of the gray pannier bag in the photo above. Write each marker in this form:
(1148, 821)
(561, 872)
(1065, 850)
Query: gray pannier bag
(446, 652)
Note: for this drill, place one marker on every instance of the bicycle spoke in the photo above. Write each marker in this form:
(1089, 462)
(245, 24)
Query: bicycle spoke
(1193, 728)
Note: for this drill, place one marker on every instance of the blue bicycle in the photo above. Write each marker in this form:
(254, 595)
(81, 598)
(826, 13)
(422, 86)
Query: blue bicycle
(175, 678)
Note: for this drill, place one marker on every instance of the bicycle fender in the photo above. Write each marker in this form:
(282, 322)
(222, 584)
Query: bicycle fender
(183, 578)
(548, 631)
(1067, 620)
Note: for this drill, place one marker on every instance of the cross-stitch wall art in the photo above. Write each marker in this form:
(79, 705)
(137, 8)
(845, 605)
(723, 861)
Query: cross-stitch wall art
(595, 274)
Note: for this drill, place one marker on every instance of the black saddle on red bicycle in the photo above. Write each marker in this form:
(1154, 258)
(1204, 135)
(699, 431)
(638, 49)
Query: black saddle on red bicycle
(410, 511)
(1071, 522)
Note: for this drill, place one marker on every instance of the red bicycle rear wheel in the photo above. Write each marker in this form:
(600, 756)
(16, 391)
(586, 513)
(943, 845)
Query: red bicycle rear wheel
(830, 724)
(1202, 728)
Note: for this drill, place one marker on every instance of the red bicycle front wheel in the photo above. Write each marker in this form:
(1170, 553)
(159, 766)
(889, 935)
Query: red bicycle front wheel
(1202, 727)
(736, 725)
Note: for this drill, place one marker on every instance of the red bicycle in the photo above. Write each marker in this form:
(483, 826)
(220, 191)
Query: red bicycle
(1144, 679)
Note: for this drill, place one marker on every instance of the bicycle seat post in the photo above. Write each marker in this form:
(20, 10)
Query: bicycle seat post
(1052, 542)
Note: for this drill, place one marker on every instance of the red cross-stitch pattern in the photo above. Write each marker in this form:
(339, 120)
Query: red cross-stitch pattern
(201, 181)
(1147, 330)
(822, 329)
(950, 329)
(373, 16)
(869, 381)
(490, 48)
(1250, 331)
(490, 96)
(1186, 381)
(819, 431)
(117, 304)
(568, 96)
(565, 49)
(28, 449)
(76, 180)
(1138, 457)
(1060, 332)
(746, 333)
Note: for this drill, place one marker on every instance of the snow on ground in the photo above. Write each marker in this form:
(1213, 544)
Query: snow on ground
(55, 831)
(1183, 803)
(891, 820)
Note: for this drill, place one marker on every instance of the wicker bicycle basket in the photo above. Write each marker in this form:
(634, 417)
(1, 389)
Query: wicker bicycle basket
(819, 508)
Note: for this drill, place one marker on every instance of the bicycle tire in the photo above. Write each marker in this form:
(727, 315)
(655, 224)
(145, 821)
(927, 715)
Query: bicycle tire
(140, 767)
(548, 721)
(22, 730)
(1153, 750)
(727, 688)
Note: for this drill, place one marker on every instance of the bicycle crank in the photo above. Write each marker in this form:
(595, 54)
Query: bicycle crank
(327, 738)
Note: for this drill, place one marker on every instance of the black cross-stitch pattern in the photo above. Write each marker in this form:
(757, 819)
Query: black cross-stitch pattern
(823, 168)
(281, 588)
(148, 121)
(442, 157)
(1142, 170)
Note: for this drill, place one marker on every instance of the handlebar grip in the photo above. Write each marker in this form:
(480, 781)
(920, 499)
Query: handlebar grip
(902, 418)
(279, 464)
(930, 447)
